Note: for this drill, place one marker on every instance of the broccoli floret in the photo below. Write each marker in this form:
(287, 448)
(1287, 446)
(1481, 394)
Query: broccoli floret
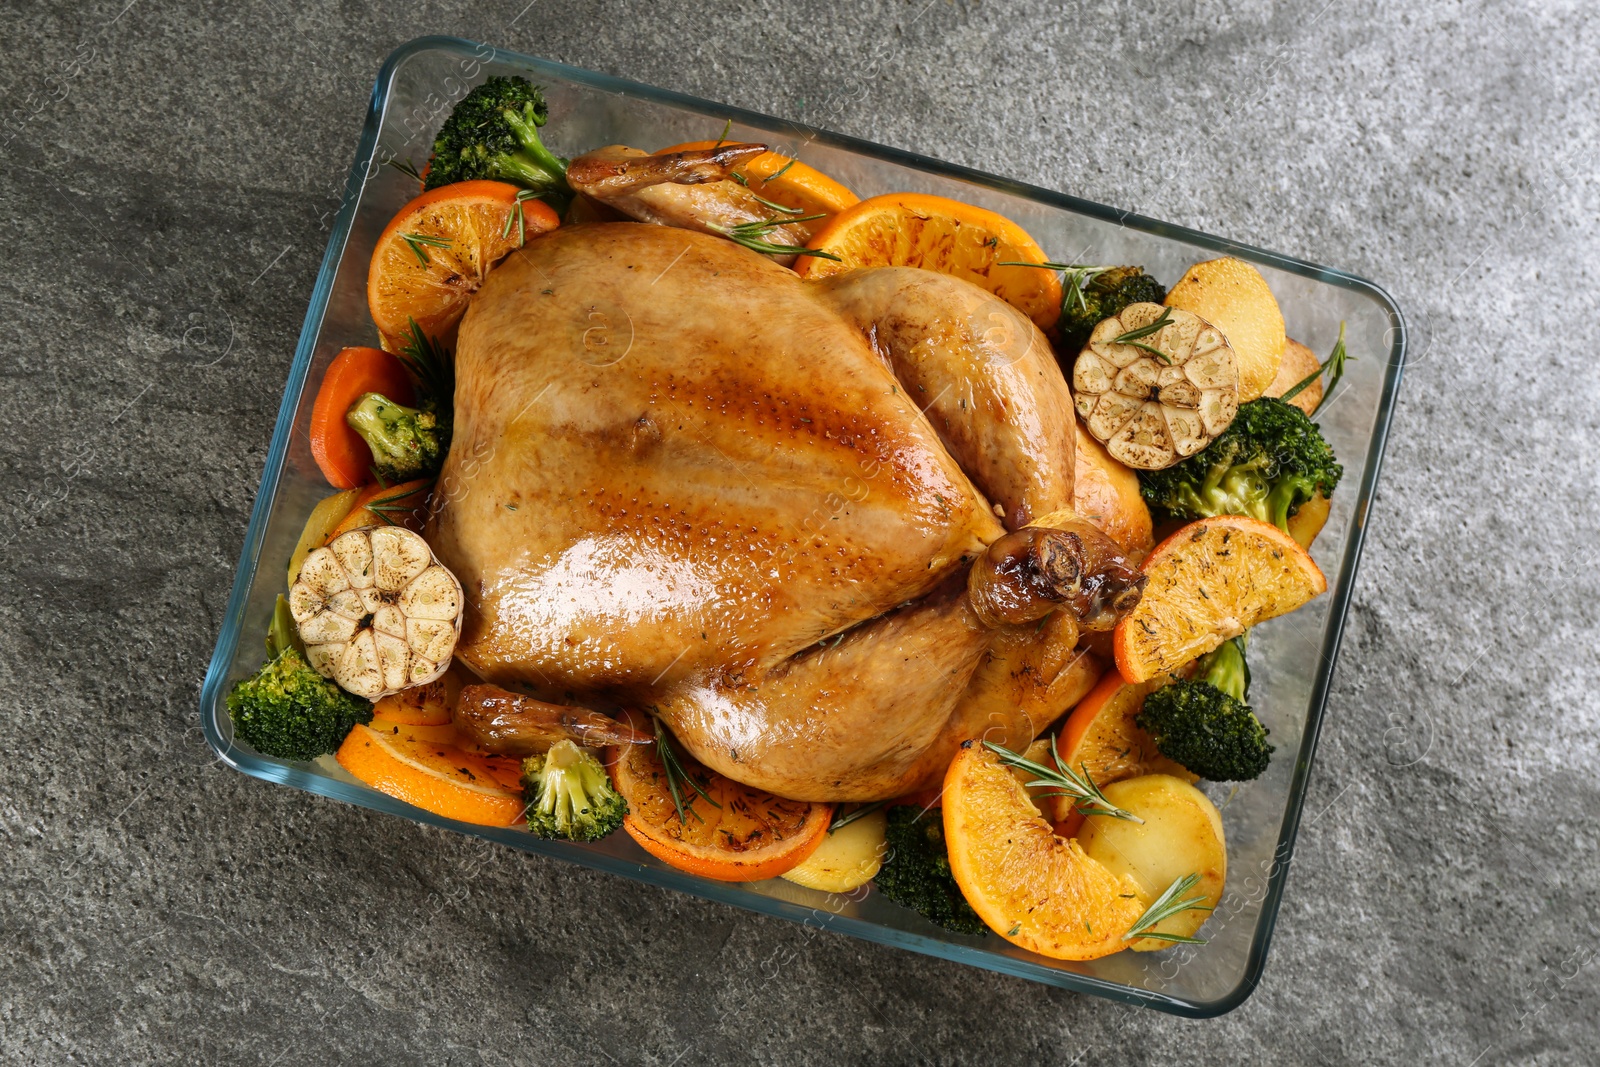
(569, 795)
(287, 709)
(1105, 293)
(1266, 464)
(494, 133)
(1204, 722)
(916, 870)
(406, 443)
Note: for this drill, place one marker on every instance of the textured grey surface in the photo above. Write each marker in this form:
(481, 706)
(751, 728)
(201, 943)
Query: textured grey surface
(168, 182)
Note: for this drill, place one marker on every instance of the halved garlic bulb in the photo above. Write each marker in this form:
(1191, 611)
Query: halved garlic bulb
(377, 612)
(1162, 394)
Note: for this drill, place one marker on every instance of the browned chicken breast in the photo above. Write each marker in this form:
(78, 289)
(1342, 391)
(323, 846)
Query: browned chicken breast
(686, 480)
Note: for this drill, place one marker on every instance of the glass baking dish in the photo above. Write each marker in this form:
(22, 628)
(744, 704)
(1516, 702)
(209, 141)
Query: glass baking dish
(1292, 657)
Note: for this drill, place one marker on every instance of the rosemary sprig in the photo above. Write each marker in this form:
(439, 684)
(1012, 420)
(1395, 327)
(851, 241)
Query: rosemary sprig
(780, 172)
(742, 180)
(676, 773)
(753, 235)
(1166, 906)
(517, 217)
(841, 821)
(404, 166)
(430, 363)
(1132, 337)
(1333, 367)
(1074, 278)
(421, 242)
(384, 506)
(1064, 782)
(723, 136)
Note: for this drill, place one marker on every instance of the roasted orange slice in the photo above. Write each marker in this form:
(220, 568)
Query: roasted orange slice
(727, 831)
(435, 777)
(1037, 890)
(936, 233)
(789, 182)
(1211, 581)
(436, 251)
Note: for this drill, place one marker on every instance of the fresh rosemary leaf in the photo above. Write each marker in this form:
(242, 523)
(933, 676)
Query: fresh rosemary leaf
(753, 235)
(841, 821)
(1333, 367)
(406, 167)
(419, 243)
(1166, 906)
(676, 775)
(1064, 782)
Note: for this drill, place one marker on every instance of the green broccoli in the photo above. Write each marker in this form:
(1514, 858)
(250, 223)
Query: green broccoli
(494, 133)
(569, 795)
(1095, 293)
(916, 870)
(288, 710)
(1204, 722)
(406, 443)
(1266, 464)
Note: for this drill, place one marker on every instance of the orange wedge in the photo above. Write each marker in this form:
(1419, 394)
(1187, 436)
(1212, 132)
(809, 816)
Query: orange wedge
(788, 182)
(744, 836)
(435, 252)
(435, 777)
(1211, 581)
(1101, 735)
(1037, 890)
(936, 233)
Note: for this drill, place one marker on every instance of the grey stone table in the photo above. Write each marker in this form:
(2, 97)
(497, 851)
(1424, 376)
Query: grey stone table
(168, 181)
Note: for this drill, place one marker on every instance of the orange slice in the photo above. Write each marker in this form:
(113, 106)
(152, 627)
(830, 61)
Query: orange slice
(1037, 890)
(745, 836)
(1211, 581)
(788, 182)
(936, 233)
(435, 777)
(435, 252)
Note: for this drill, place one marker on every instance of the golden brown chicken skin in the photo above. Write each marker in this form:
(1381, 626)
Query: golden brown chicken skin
(685, 479)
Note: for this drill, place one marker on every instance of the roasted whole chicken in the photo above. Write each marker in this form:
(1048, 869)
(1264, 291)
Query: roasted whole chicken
(822, 529)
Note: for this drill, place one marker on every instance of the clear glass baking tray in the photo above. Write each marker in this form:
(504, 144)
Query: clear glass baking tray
(1292, 657)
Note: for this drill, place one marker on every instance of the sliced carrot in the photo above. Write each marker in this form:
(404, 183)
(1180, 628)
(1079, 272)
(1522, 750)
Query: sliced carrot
(434, 777)
(344, 457)
(405, 505)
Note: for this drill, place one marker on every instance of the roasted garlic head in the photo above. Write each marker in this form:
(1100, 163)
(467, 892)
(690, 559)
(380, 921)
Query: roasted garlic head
(377, 612)
(1155, 385)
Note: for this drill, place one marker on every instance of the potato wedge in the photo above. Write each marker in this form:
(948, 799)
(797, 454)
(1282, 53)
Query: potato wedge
(1298, 364)
(1305, 524)
(848, 857)
(1181, 835)
(1233, 296)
